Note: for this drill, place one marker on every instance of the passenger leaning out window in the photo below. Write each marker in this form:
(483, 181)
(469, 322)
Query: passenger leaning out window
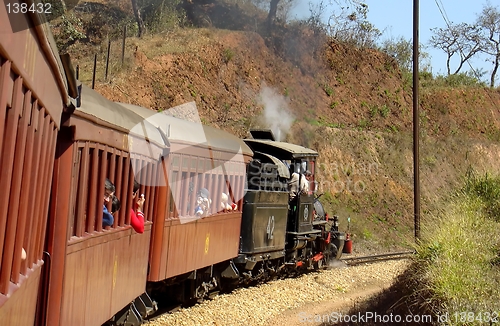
(109, 191)
(115, 205)
(136, 212)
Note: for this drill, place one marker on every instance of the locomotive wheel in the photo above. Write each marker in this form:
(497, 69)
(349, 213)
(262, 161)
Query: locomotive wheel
(319, 264)
(330, 253)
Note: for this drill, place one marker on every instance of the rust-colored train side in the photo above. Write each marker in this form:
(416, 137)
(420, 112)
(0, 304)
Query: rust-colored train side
(200, 157)
(32, 98)
(185, 244)
(99, 270)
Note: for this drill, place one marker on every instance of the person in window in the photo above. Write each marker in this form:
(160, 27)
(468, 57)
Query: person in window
(310, 182)
(109, 191)
(136, 213)
(203, 203)
(293, 184)
(115, 205)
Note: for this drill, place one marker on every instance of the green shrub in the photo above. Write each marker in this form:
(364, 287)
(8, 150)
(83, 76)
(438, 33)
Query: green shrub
(455, 80)
(384, 111)
(228, 55)
(328, 90)
(487, 189)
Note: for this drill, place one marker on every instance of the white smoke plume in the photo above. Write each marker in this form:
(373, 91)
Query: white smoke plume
(276, 115)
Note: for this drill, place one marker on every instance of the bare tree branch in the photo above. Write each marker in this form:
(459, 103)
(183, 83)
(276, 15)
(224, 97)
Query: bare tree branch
(466, 41)
(462, 40)
(489, 21)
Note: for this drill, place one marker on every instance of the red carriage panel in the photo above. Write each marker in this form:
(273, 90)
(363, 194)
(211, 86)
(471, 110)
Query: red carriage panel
(107, 277)
(19, 309)
(201, 243)
(102, 269)
(32, 98)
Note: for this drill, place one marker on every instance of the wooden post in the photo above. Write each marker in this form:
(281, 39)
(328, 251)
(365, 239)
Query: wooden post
(107, 60)
(93, 74)
(123, 42)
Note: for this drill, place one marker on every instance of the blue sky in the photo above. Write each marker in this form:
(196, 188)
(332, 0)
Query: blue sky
(395, 18)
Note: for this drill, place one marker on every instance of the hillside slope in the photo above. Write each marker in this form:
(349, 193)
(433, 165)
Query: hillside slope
(351, 105)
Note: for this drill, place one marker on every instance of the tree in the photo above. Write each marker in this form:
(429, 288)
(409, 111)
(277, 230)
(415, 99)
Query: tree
(467, 41)
(489, 21)
(138, 19)
(462, 40)
(273, 9)
(350, 24)
(402, 51)
(280, 8)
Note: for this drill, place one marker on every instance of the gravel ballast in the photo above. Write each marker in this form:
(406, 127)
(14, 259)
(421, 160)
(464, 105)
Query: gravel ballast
(263, 304)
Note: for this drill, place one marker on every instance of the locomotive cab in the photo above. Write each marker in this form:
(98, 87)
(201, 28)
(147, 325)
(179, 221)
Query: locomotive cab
(300, 228)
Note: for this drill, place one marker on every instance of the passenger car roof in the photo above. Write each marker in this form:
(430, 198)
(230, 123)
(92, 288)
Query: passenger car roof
(179, 130)
(96, 105)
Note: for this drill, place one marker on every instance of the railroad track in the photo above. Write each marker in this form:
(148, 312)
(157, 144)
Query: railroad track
(378, 257)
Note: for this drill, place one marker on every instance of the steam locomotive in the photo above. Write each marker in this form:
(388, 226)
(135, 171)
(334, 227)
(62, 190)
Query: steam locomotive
(218, 209)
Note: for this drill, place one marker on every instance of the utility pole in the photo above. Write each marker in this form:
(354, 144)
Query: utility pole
(416, 129)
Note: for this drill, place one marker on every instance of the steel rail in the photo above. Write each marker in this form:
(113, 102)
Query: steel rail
(377, 257)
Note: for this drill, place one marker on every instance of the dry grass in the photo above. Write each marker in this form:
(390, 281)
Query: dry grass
(454, 278)
(459, 260)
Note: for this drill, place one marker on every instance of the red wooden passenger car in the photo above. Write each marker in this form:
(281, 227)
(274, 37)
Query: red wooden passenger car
(97, 272)
(32, 98)
(200, 157)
